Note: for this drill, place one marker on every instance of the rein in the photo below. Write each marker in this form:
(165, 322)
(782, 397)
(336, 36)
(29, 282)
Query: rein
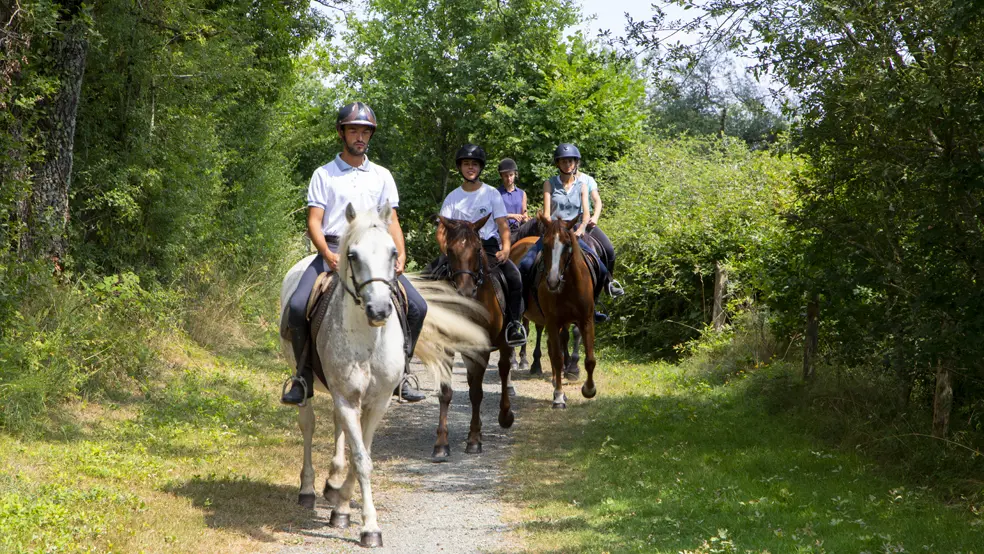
(357, 292)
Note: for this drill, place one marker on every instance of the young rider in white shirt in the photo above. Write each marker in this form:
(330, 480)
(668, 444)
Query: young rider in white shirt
(349, 178)
(472, 201)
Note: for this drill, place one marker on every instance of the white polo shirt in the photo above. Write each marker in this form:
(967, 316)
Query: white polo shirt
(472, 206)
(336, 184)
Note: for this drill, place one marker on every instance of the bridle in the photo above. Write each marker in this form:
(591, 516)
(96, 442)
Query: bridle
(567, 264)
(357, 293)
(478, 276)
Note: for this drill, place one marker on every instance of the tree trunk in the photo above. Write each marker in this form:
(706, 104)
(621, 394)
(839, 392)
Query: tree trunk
(720, 283)
(46, 212)
(942, 400)
(812, 337)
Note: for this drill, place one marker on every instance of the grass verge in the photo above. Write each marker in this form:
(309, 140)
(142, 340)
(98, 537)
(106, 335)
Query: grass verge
(667, 460)
(204, 459)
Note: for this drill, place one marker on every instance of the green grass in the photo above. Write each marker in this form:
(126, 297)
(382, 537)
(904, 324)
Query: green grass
(663, 461)
(204, 459)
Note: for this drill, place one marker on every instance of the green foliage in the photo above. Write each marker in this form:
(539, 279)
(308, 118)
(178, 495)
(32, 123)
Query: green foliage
(71, 340)
(888, 228)
(502, 75)
(677, 207)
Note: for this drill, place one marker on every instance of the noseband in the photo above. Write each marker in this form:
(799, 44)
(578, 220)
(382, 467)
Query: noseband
(478, 275)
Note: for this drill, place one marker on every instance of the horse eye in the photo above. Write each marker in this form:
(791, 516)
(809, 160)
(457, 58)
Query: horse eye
(352, 256)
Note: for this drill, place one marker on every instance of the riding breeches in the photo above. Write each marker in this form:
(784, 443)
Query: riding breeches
(297, 307)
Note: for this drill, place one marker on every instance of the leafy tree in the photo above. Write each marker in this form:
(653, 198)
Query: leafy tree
(503, 75)
(890, 222)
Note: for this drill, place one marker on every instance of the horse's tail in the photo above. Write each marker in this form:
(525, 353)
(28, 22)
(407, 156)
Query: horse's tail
(453, 324)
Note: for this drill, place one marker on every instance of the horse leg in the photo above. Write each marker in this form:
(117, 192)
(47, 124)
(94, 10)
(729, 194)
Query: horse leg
(336, 477)
(588, 388)
(349, 417)
(476, 374)
(506, 416)
(305, 420)
(441, 448)
(536, 368)
(523, 362)
(571, 369)
(556, 361)
(371, 535)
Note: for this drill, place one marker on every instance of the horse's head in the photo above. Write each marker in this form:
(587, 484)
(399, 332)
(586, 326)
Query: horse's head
(367, 264)
(559, 244)
(465, 254)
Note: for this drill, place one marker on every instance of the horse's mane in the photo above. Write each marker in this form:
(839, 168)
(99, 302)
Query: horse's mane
(357, 228)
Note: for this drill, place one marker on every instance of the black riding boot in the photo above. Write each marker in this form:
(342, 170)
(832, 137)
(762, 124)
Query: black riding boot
(303, 381)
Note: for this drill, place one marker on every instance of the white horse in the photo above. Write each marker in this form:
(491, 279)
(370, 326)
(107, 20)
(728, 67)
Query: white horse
(361, 344)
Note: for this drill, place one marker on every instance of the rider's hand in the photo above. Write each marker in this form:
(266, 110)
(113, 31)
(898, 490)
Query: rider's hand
(580, 231)
(502, 255)
(400, 263)
(331, 259)
(592, 223)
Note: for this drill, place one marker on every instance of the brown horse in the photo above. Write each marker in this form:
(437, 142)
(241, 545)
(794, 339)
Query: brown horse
(563, 294)
(471, 275)
(571, 351)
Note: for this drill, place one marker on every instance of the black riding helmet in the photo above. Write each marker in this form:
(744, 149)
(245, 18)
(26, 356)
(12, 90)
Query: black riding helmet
(566, 150)
(470, 152)
(356, 113)
(507, 164)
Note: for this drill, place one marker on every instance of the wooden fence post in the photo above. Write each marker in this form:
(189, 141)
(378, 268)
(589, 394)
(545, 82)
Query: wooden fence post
(812, 337)
(720, 283)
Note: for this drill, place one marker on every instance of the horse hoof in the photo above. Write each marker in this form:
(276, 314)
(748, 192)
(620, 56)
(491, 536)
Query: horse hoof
(588, 392)
(306, 500)
(473, 448)
(535, 369)
(560, 405)
(572, 375)
(523, 366)
(371, 539)
(441, 454)
(511, 390)
(506, 419)
(338, 520)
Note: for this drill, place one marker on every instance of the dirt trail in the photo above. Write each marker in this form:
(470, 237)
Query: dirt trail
(427, 507)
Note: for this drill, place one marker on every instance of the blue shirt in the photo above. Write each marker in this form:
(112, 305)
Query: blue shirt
(566, 204)
(513, 201)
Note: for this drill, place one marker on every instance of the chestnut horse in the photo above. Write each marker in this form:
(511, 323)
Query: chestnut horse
(571, 355)
(471, 275)
(563, 294)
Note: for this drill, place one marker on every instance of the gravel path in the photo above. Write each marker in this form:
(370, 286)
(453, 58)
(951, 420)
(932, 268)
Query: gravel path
(427, 507)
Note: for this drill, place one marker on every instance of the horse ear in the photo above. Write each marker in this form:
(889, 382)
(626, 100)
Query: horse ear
(350, 212)
(386, 213)
(448, 223)
(544, 220)
(481, 222)
(571, 224)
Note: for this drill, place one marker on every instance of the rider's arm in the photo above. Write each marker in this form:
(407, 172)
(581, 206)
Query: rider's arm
(525, 213)
(503, 224)
(585, 218)
(315, 216)
(546, 199)
(596, 203)
(401, 249)
(442, 238)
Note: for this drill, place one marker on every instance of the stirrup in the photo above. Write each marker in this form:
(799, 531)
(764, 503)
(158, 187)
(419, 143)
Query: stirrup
(291, 380)
(398, 391)
(522, 331)
(615, 289)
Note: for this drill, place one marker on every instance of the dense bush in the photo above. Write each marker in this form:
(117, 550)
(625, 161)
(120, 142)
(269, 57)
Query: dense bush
(674, 209)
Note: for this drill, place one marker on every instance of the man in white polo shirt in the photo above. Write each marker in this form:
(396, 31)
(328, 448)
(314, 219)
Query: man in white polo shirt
(349, 178)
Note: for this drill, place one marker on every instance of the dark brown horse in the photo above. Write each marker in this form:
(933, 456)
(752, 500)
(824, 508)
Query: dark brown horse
(563, 294)
(471, 274)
